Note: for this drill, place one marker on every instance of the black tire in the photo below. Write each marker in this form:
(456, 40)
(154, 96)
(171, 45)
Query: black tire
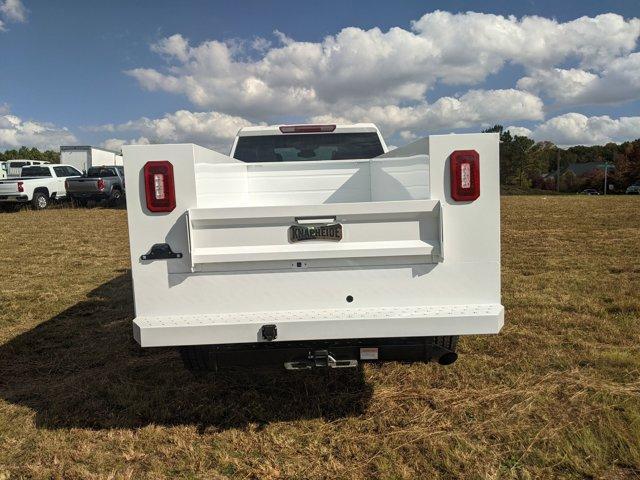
(40, 201)
(450, 343)
(80, 202)
(199, 358)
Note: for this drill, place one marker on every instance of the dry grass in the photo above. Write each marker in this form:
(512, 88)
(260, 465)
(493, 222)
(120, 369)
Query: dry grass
(557, 394)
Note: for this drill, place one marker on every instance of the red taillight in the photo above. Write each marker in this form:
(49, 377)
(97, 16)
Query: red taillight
(100, 184)
(307, 128)
(21, 186)
(465, 175)
(159, 186)
(66, 184)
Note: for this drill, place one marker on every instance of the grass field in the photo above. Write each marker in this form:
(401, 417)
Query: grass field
(556, 394)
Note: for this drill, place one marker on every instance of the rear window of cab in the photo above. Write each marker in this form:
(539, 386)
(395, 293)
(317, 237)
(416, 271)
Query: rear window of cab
(308, 147)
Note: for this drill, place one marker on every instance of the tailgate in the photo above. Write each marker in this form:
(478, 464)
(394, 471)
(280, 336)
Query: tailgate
(8, 187)
(83, 185)
(372, 233)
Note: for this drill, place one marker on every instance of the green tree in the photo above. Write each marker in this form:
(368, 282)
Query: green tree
(30, 154)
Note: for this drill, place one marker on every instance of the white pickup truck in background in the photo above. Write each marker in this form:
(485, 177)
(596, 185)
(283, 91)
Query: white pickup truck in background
(39, 185)
(311, 245)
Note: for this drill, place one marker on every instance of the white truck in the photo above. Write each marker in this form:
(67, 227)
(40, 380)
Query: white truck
(83, 157)
(13, 168)
(39, 186)
(311, 245)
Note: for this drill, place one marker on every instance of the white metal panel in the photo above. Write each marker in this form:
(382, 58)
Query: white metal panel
(221, 185)
(101, 158)
(400, 178)
(312, 183)
(472, 229)
(308, 183)
(252, 289)
(319, 324)
(76, 158)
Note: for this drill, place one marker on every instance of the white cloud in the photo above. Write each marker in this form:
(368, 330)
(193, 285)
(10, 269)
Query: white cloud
(116, 144)
(261, 44)
(15, 132)
(618, 82)
(12, 11)
(374, 68)
(577, 129)
(474, 108)
(210, 129)
(519, 131)
(479, 38)
(174, 46)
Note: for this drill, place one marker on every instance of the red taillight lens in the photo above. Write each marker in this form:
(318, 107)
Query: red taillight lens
(100, 184)
(159, 186)
(66, 184)
(21, 186)
(307, 128)
(465, 175)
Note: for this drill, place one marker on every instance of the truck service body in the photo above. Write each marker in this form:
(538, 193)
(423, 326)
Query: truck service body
(313, 246)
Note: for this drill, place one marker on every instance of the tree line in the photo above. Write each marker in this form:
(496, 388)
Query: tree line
(527, 164)
(50, 156)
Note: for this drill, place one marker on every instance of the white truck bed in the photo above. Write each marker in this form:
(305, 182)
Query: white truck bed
(412, 261)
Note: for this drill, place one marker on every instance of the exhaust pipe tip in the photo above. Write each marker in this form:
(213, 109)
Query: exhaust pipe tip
(448, 358)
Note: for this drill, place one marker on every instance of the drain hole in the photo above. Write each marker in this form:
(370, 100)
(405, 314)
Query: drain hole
(349, 298)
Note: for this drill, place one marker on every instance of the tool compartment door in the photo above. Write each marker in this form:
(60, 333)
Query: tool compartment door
(373, 233)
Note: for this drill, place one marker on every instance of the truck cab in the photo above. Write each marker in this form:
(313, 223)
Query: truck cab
(314, 246)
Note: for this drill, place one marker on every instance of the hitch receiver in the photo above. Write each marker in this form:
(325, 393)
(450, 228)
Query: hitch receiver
(319, 359)
(269, 332)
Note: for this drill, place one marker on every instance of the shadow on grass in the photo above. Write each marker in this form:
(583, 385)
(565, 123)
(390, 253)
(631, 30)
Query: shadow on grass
(82, 369)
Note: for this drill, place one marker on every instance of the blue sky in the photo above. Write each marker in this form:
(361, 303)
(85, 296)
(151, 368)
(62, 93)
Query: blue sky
(96, 72)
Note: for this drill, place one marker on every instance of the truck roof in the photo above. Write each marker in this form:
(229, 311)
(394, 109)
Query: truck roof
(71, 148)
(24, 160)
(275, 129)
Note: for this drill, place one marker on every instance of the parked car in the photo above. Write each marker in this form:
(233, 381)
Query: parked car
(589, 191)
(100, 183)
(633, 189)
(312, 246)
(39, 186)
